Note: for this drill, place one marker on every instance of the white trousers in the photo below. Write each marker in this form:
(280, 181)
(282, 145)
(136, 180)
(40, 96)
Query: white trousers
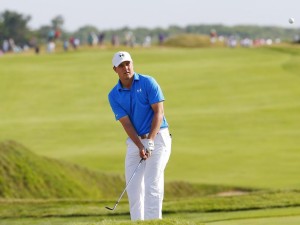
(146, 190)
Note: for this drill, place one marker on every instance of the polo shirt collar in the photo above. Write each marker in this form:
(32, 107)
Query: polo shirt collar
(135, 77)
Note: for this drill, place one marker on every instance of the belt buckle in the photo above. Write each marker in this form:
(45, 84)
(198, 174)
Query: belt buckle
(144, 136)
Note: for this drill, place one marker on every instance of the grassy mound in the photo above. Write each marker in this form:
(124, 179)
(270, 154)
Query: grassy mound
(24, 174)
(191, 41)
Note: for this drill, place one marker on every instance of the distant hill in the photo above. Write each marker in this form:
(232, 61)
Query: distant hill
(191, 41)
(25, 175)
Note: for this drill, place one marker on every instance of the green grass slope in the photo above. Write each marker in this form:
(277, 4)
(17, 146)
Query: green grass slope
(24, 174)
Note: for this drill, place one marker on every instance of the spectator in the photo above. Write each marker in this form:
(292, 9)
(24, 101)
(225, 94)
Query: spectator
(115, 40)
(66, 45)
(147, 41)
(161, 38)
(101, 38)
(5, 46)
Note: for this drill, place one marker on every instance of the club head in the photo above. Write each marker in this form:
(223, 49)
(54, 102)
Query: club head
(110, 208)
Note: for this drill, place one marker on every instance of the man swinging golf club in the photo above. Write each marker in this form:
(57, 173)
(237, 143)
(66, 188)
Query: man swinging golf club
(137, 102)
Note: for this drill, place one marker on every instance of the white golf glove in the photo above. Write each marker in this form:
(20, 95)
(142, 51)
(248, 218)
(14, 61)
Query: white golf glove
(149, 146)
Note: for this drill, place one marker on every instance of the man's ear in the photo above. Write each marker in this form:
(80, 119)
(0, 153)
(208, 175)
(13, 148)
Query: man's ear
(114, 68)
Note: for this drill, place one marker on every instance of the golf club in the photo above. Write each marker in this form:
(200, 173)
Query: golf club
(134, 172)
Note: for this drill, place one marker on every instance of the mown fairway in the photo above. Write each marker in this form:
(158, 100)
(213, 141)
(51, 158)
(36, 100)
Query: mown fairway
(234, 113)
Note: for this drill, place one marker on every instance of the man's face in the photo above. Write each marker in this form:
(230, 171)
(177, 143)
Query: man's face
(125, 70)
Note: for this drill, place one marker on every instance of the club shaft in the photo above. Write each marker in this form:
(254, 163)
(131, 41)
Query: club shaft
(134, 172)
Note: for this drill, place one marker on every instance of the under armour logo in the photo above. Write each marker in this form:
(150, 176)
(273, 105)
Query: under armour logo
(139, 90)
(121, 55)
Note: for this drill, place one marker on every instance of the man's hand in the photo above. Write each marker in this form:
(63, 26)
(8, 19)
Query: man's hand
(149, 147)
(146, 150)
(143, 154)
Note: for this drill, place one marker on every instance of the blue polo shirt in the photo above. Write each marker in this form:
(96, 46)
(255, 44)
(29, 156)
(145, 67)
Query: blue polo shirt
(136, 102)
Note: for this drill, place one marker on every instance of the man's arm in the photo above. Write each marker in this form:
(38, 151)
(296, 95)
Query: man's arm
(131, 132)
(158, 109)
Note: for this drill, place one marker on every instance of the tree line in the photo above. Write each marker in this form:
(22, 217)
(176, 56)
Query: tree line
(14, 25)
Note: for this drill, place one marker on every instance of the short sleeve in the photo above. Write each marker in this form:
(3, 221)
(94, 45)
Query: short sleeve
(116, 108)
(154, 92)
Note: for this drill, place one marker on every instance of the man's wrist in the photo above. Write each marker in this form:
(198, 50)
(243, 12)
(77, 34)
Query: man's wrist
(150, 137)
(150, 145)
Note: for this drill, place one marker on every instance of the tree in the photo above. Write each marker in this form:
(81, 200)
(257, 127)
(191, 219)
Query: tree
(57, 22)
(43, 31)
(14, 25)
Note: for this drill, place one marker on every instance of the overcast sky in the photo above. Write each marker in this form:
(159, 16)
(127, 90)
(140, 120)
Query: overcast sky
(111, 14)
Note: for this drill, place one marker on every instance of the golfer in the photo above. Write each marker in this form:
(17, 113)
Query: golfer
(137, 102)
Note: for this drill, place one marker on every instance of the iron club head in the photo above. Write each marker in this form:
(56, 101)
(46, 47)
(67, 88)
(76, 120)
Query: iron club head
(110, 208)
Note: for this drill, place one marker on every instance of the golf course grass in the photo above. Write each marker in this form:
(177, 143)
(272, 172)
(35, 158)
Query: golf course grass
(234, 115)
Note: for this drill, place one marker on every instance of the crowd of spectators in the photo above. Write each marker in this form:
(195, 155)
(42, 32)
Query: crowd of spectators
(128, 39)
